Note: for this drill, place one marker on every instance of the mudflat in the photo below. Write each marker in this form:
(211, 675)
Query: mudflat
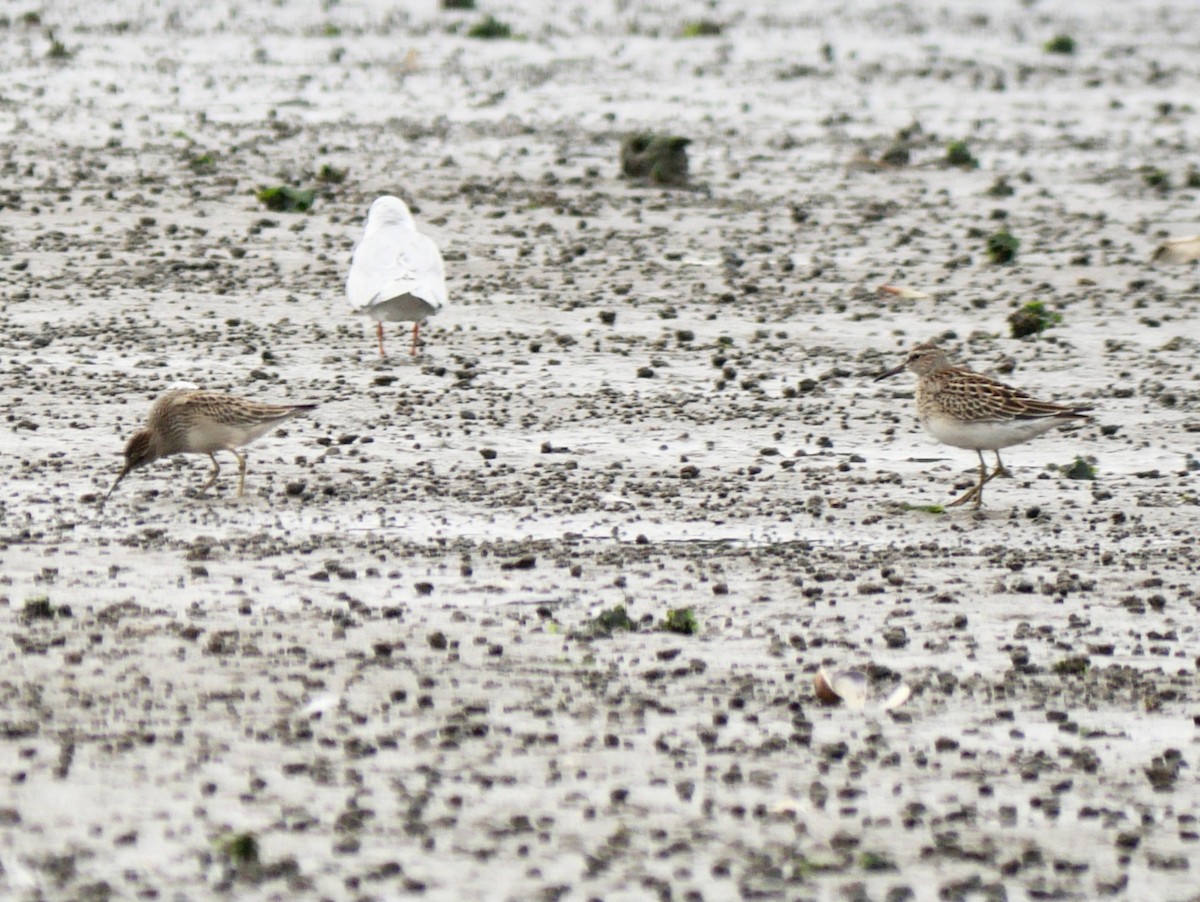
(394, 666)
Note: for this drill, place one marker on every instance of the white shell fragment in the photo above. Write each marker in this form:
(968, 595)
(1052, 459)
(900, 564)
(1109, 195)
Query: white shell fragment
(898, 697)
(849, 687)
(901, 291)
(319, 704)
(1178, 250)
(846, 686)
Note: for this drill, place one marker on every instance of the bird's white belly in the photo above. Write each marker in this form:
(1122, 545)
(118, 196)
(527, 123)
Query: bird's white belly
(210, 437)
(405, 308)
(987, 435)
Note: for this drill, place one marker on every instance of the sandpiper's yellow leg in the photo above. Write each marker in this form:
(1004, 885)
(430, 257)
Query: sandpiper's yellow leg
(241, 471)
(215, 470)
(1000, 470)
(975, 493)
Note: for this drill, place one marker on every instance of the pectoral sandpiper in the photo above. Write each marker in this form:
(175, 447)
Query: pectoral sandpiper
(396, 273)
(191, 421)
(970, 410)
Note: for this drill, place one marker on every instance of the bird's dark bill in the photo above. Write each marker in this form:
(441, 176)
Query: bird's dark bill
(893, 371)
(124, 473)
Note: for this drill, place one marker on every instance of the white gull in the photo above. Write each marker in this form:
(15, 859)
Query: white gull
(396, 274)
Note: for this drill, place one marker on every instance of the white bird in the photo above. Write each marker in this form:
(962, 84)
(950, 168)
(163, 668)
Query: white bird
(396, 274)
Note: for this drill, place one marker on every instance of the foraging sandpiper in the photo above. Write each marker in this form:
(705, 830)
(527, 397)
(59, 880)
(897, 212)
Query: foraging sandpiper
(396, 273)
(970, 410)
(192, 421)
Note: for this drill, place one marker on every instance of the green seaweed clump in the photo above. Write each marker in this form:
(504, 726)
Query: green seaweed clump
(489, 28)
(1156, 178)
(876, 862)
(1080, 469)
(604, 624)
(1074, 666)
(660, 158)
(286, 199)
(1002, 247)
(39, 608)
(203, 164)
(241, 849)
(240, 857)
(1001, 188)
(239, 854)
(616, 618)
(907, 139)
(897, 155)
(1062, 43)
(1032, 319)
(58, 50)
(704, 28)
(331, 175)
(680, 620)
(959, 154)
(458, 4)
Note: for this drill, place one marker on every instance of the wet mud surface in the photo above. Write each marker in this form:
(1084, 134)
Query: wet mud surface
(379, 672)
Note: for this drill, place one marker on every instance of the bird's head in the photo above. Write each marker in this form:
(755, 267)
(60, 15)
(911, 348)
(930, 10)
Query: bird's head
(139, 451)
(922, 360)
(388, 211)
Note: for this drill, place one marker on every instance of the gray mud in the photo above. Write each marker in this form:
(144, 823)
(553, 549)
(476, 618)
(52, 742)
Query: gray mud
(376, 668)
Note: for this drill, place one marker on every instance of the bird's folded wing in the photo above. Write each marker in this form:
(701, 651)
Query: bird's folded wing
(393, 262)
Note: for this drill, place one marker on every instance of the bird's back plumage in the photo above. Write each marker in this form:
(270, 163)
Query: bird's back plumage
(968, 395)
(194, 421)
(396, 273)
(200, 422)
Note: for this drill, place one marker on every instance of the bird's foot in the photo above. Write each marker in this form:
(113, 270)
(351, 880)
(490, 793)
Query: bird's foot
(975, 493)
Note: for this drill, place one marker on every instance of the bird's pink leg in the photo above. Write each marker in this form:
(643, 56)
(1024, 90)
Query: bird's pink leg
(416, 328)
(379, 332)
